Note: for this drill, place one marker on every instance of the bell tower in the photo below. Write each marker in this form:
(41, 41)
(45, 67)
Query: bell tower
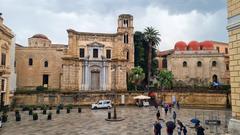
(125, 34)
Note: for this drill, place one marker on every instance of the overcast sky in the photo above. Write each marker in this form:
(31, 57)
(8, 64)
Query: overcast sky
(175, 19)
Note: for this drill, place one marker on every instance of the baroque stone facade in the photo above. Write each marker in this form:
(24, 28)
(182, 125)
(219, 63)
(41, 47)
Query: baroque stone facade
(91, 61)
(197, 63)
(234, 46)
(7, 73)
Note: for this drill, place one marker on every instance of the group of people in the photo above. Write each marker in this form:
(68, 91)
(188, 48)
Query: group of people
(175, 124)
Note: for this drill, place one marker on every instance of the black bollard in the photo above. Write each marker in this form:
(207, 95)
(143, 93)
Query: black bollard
(79, 110)
(109, 114)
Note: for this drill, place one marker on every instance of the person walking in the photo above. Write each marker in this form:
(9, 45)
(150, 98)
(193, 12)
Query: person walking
(170, 108)
(157, 128)
(178, 105)
(184, 129)
(166, 109)
(200, 130)
(174, 116)
(158, 115)
(0, 122)
(170, 131)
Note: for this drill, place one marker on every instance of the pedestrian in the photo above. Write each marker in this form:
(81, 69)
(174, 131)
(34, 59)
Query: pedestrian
(200, 130)
(158, 115)
(157, 128)
(166, 109)
(178, 105)
(0, 122)
(170, 108)
(170, 131)
(174, 116)
(184, 129)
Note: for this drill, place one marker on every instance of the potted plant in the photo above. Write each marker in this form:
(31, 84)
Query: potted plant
(68, 109)
(58, 110)
(45, 110)
(79, 109)
(4, 117)
(16, 112)
(30, 111)
(18, 117)
(49, 116)
(35, 116)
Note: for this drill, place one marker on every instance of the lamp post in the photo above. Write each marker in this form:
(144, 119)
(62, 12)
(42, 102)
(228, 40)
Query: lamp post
(115, 118)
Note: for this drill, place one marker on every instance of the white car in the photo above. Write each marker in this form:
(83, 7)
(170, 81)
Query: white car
(102, 104)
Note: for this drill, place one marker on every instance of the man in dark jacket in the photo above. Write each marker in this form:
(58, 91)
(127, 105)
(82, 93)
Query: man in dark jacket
(157, 128)
(158, 115)
(200, 130)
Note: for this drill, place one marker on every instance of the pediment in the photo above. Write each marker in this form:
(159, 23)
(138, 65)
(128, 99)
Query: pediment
(95, 44)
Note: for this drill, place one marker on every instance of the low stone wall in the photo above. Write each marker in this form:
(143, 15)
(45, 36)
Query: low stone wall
(87, 98)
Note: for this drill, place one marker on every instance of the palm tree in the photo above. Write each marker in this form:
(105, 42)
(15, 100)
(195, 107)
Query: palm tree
(151, 36)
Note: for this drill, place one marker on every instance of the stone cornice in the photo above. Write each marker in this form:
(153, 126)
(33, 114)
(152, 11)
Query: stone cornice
(91, 34)
(6, 31)
(233, 22)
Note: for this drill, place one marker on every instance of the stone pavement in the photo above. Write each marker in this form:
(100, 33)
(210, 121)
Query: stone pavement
(138, 121)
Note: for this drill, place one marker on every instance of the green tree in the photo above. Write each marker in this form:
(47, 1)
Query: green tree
(136, 76)
(165, 78)
(151, 36)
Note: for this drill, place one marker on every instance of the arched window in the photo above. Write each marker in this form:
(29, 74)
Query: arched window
(214, 63)
(30, 61)
(184, 64)
(199, 63)
(125, 39)
(215, 78)
(45, 63)
(127, 55)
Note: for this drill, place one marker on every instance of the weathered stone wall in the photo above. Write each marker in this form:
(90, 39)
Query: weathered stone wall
(192, 74)
(234, 48)
(87, 98)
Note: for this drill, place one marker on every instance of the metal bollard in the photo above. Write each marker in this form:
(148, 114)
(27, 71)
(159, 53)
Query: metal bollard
(109, 115)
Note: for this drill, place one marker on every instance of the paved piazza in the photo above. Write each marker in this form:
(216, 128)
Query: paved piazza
(138, 121)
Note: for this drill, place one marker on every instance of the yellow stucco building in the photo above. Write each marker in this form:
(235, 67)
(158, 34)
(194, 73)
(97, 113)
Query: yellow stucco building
(234, 47)
(7, 73)
(90, 61)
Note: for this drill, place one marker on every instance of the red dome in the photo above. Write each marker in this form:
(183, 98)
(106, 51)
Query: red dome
(180, 46)
(193, 45)
(207, 45)
(40, 36)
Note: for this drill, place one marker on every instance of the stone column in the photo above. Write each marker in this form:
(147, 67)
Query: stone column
(104, 76)
(86, 78)
(234, 47)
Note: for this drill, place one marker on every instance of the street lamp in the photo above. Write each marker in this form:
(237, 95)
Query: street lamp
(115, 118)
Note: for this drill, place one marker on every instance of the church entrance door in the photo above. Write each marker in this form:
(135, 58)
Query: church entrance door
(95, 80)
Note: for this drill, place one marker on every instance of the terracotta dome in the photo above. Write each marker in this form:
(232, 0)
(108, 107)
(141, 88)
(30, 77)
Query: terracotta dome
(207, 45)
(40, 36)
(193, 45)
(180, 46)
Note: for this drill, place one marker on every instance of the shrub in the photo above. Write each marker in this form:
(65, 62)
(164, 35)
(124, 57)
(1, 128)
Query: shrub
(35, 116)
(49, 116)
(4, 117)
(40, 88)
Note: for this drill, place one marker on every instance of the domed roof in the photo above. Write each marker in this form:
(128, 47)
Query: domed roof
(193, 45)
(40, 36)
(180, 46)
(207, 45)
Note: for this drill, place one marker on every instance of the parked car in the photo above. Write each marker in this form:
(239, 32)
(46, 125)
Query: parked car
(102, 104)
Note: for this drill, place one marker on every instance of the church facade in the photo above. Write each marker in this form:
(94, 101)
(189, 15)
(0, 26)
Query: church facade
(90, 61)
